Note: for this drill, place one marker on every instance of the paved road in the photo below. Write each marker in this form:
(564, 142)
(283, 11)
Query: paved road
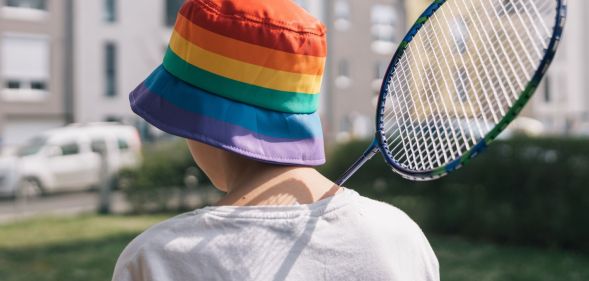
(60, 204)
(86, 202)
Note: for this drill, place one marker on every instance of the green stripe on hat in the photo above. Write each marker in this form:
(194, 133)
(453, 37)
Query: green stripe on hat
(289, 102)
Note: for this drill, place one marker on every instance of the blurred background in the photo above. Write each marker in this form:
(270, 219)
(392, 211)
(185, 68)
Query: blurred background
(81, 175)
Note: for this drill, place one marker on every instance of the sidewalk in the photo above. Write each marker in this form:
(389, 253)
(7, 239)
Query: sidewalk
(61, 204)
(71, 204)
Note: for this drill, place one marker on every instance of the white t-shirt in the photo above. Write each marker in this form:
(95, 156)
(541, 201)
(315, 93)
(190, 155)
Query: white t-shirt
(345, 237)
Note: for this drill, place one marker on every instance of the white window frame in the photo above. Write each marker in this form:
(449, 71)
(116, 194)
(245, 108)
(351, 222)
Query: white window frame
(381, 44)
(24, 13)
(342, 12)
(27, 93)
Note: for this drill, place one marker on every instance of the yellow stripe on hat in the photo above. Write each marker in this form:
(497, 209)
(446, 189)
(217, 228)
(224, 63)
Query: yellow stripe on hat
(244, 72)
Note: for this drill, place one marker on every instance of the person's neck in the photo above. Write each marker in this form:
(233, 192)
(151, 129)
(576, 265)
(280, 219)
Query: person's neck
(263, 185)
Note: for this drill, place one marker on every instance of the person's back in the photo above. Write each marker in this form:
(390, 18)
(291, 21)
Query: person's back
(240, 82)
(344, 237)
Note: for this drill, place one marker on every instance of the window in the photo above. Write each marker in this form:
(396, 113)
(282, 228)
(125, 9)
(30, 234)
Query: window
(123, 144)
(511, 7)
(342, 14)
(459, 31)
(98, 146)
(461, 82)
(28, 4)
(39, 85)
(343, 79)
(24, 66)
(13, 84)
(113, 119)
(380, 69)
(110, 11)
(172, 8)
(29, 10)
(343, 68)
(547, 92)
(32, 147)
(385, 28)
(561, 83)
(110, 69)
(70, 149)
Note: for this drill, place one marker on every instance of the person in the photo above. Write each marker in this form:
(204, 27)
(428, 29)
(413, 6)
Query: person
(240, 82)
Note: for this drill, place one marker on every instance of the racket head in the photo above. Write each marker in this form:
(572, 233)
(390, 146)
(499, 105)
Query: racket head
(386, 139)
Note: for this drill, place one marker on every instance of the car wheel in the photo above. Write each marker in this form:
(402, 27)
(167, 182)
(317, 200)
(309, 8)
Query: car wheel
(30, 188)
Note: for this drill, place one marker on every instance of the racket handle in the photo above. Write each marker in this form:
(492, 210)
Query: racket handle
(367, 155)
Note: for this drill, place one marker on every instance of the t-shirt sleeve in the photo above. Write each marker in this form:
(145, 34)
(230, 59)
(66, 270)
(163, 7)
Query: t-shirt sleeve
(420, 260)
(122, 273)
(134, 262)
(126, 268)
(401, 242)
(431, 268)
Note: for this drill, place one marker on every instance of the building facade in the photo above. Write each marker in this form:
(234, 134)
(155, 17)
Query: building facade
(414, 9)
(117, 44)
(75, 60)
(363, 36)
(33, 68)
(562, 101)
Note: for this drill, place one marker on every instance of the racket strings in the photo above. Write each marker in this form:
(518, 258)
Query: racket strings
(428, 121)
(448, 115)
(478, 80)
(406, 116)
(502, 74)
(460, 75)
(419, 106)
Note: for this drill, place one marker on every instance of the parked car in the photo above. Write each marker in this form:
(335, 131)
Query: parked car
(76, 157)
(8, 176)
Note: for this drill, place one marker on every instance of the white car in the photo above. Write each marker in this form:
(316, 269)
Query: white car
(8, 176)
(77, 157)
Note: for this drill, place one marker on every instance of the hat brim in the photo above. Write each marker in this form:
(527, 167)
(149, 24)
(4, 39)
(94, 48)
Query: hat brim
(264, 135)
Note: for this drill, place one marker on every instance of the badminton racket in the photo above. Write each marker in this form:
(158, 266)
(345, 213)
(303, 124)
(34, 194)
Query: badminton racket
(460, 76)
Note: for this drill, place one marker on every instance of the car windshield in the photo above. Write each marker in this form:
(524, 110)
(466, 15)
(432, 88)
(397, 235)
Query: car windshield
(32, 147)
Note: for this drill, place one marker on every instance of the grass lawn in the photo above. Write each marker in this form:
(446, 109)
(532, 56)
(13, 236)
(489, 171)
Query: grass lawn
(85, 248)
(463, 260)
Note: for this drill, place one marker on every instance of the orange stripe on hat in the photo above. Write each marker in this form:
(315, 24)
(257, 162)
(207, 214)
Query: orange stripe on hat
(247, 52)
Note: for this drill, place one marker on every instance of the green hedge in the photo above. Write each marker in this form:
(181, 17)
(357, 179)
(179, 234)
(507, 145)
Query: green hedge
(160, 180)
(525, 191)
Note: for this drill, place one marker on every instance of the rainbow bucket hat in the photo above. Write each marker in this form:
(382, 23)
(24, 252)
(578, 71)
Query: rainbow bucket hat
(244, 76)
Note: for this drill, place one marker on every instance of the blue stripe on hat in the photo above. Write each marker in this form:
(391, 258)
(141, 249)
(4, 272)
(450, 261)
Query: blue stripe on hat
(265, 122)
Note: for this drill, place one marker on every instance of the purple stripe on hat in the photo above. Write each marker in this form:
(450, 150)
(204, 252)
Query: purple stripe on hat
(170, 119)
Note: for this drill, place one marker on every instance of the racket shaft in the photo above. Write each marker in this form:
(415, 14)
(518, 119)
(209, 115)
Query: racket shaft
(367, 155)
